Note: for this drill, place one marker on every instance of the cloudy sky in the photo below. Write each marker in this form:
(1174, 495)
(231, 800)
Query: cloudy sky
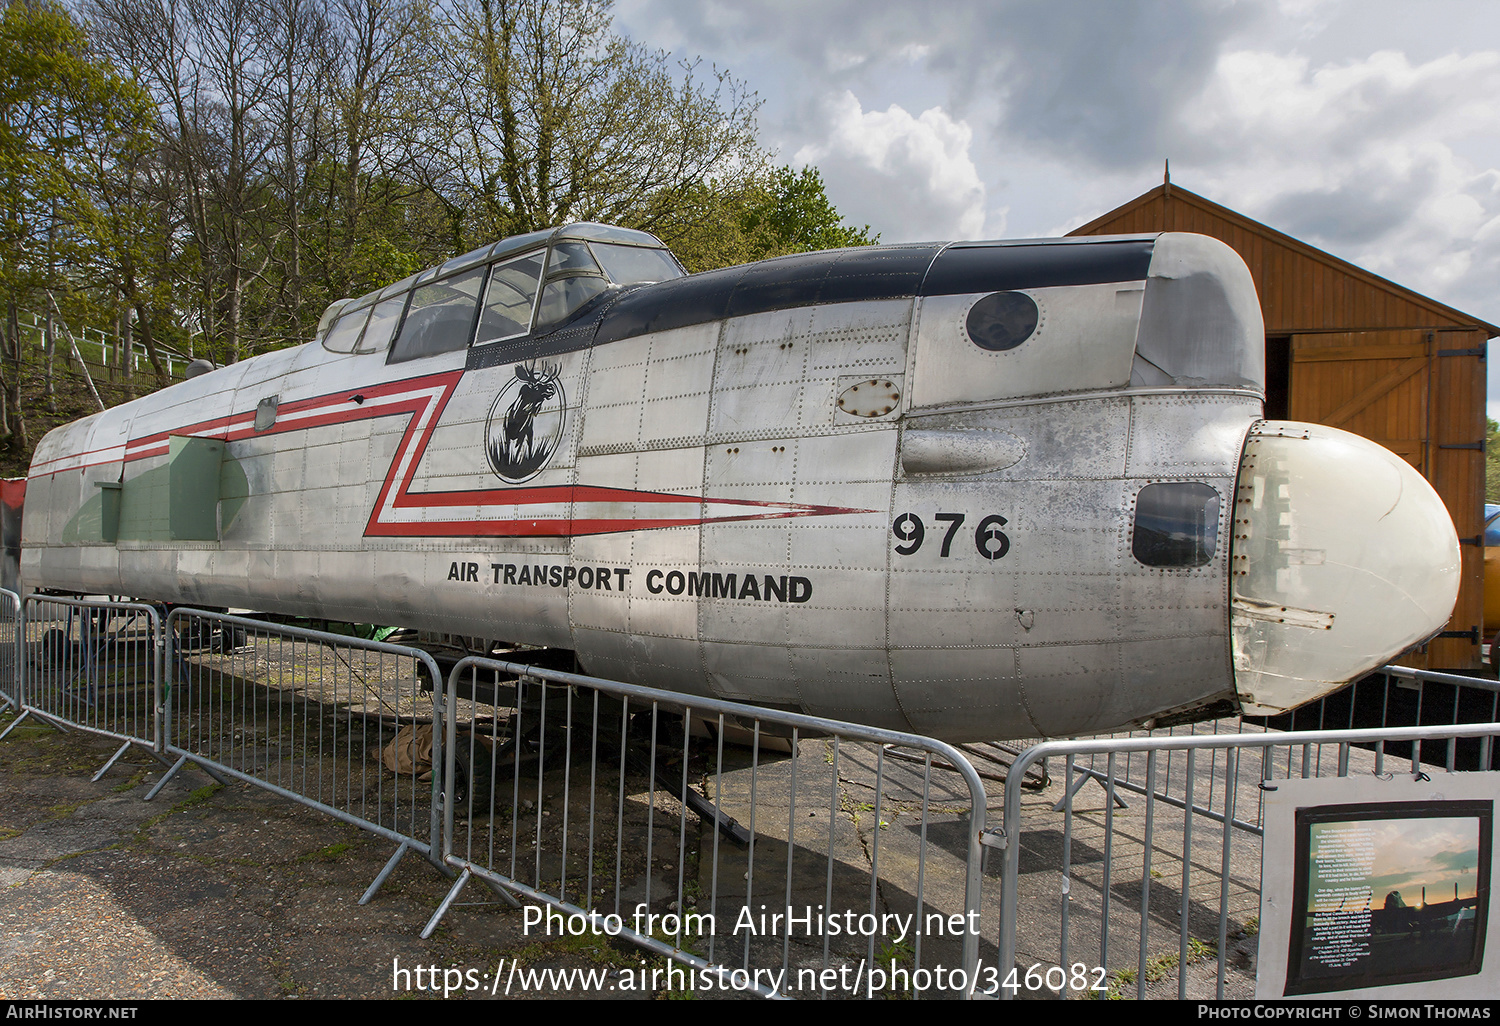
(1369, 128)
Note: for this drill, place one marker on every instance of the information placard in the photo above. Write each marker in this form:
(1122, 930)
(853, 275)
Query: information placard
(1378, 887)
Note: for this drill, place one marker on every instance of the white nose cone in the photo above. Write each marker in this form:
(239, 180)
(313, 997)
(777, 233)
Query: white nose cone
(1343, 556)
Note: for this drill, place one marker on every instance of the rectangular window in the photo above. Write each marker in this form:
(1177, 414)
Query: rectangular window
(383, 321)
(510, 297)
(440, 318)
(1176, 524)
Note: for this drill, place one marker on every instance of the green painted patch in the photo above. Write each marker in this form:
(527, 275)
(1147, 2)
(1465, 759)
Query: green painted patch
(199, 490)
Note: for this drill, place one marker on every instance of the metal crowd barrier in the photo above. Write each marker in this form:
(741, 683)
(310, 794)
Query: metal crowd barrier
(311, 716)
(1393, 696)
(1399, 696)
(1092, 872)
(92, 665)
(776, 853)
(11, 654)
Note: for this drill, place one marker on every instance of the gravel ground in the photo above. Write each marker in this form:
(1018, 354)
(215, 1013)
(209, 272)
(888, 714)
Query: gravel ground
(214, 891)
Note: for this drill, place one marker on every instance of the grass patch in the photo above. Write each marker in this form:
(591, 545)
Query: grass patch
(596, 948)
(198, 797)
(327, 853)
(895, 955)
(63, 810)
(1157, 969)
(136, 779)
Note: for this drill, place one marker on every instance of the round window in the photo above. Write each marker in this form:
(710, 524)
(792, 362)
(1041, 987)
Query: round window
(1002, 320)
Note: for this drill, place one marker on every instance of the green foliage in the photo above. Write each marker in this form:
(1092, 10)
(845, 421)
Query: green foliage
(1158, 968)
(1491, 461)
(73, 134)
(38, 48)
(704, 227)
(793, 215)
(68, 125)
(776, 213)
(214, 176)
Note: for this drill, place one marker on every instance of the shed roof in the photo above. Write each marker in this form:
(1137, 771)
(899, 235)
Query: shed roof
(1302, 287)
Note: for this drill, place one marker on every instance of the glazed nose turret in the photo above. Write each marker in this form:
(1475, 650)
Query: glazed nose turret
(1342, 556)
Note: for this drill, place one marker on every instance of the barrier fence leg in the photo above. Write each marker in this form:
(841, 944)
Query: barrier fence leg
(448, 899)
(173, 772)
(504, 895)
(32, 712)
(165, 777)
(15, 723)
(390, 865)
(112, 760)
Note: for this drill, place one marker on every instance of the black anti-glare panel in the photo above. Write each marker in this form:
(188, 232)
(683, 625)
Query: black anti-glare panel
(841, 276)
(961, 270)
(893, 272)
(498, 354)
(670, 304)
(780, 284)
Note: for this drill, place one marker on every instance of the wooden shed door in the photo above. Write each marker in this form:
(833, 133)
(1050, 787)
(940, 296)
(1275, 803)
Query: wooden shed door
(1419, 393)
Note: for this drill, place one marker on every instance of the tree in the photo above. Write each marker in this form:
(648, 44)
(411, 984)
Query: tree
(118, 208)
(68, 125)
(372, 223)
(795, 216)
(777, 212)
(547, 116)
(307, 150)
(287, 130)
(1491, 461)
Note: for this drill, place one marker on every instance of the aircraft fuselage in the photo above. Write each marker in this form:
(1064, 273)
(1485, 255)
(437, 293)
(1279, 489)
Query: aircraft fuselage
(976, 491)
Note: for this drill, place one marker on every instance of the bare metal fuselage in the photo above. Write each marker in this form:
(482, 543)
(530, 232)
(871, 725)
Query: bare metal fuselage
(800, 483)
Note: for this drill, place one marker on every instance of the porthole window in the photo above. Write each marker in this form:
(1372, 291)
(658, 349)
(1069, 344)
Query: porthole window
(1002, 320)
(1176, 524)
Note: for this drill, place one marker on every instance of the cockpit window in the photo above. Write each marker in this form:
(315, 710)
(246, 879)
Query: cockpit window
(345, 331)
(564, 295)
(570, 256)
(627, 265)
(383, 321)
(1176, 524)
(464, 301)
(573, 278)
(440, 318)
(509, 300)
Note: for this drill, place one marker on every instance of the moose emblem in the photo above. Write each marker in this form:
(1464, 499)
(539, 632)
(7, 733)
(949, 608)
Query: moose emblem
(526, 422)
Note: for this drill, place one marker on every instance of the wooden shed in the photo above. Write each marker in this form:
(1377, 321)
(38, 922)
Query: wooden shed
(1347, 348)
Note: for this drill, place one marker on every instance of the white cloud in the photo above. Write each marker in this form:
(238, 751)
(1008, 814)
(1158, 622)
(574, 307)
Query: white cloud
(914, 53)
(913, 177)
(1365, 127)
(1365, 157)
(1275, 101)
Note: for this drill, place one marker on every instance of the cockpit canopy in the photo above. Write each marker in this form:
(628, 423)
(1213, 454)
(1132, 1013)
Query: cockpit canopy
(515, 287)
